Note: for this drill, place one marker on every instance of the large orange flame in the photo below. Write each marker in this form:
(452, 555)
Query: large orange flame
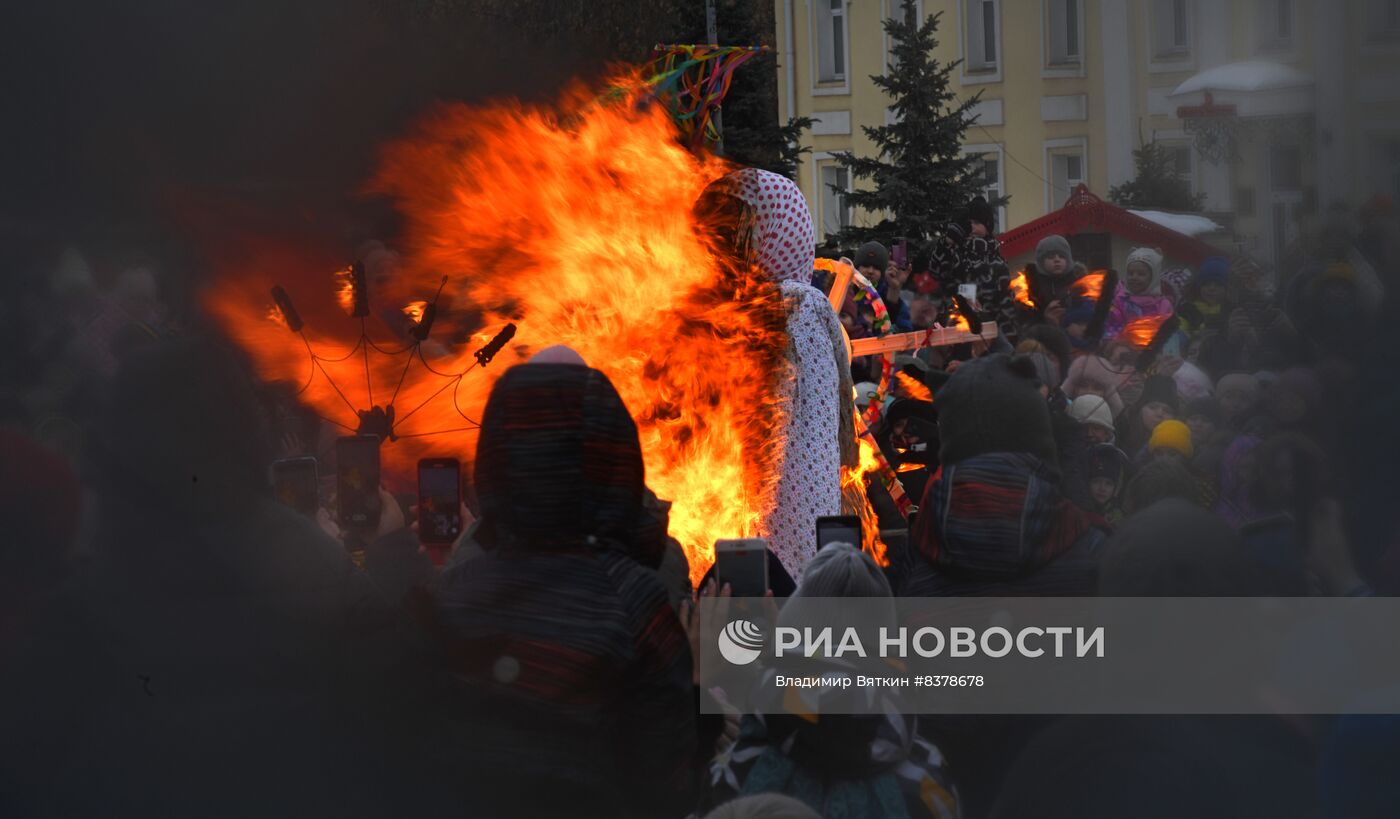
(1089, 286)
(956, 320)
(1139, 332)
(574, 221)
(1021, 290)
(913, 387)
(853, 482)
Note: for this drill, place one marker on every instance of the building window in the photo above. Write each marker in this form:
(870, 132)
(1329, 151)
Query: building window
(985, 171)
(1067, 172)
(982, 35)
(831, 40)
(836, 215)
(1276, 23)
(1181, 164)
(894, 10)
(1385, 19)
(1171, 28)
(1063, 30)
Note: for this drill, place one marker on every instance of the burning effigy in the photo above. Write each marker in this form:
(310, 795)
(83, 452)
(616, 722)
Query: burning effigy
(573, 223)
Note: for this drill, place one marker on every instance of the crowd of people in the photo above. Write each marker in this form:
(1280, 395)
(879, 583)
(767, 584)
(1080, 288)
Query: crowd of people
(177, 642)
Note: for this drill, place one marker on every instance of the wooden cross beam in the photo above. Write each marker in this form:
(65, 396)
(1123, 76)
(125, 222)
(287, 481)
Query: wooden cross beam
(937, 337)
(842, 274)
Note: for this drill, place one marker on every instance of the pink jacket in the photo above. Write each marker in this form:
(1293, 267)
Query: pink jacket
(1128, 308)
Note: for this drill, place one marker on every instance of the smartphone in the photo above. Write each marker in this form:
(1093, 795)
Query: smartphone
(839, 529)
(439, 500)
(899, 254)
(357, 481)
(743, 564)
(294, 483)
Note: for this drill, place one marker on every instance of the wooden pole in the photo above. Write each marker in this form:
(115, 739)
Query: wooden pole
(901, 342)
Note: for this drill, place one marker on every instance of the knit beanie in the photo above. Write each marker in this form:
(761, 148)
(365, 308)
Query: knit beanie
(872, 254)
(1214, 270)
(978, 210)
(991, 404)
(558, 354)
(1243, 384)
(843, 570)
(1053, 243)
(865, 392)
(1105, 461)
(1081, 311)
(1160, 388)
(1092, 409)
(1171, 434)
(1055, 340)
(1147, 256)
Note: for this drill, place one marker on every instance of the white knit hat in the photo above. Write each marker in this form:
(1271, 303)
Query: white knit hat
(1092, 409)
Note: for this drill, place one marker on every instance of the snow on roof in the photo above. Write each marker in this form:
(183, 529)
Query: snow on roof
(1251, 75)
(1188, 224)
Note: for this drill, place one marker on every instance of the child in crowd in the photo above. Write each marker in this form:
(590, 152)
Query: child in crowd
(1205, 307)
(1055, 263)
(1095, 416)
(1104, 467)
(1107, 374)
(1171, 441)
(969, 254)
(1238, 394)
(1158, 403)
(1139, 295)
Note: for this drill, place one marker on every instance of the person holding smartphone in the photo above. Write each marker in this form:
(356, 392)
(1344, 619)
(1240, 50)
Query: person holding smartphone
(572, 662)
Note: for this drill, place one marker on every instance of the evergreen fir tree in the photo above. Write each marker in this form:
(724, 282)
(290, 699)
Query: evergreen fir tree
(1156, 185)
(920, 179)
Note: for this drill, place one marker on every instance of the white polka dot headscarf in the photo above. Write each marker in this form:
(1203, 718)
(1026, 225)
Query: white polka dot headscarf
(784, 240)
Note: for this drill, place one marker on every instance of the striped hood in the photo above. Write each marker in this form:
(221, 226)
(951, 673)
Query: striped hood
(558, 462)
(998, 514)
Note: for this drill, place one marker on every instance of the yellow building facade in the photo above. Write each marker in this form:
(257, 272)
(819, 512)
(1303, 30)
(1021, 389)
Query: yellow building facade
(1269, 107)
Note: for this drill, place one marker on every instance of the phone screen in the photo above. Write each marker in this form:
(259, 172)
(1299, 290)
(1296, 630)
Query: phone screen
(839, 529)
(743, 564)
(439, 500)
(357, 480)
(294, 484)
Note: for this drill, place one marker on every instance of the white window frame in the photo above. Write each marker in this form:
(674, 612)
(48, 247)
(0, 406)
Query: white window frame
(1166, 61)
(815, 18)
(1181, 139)
(979, 76)
(981, 149)
(1266, 38)
(1056, 147)
(1048, 69)
(820, 161)
(892, 8)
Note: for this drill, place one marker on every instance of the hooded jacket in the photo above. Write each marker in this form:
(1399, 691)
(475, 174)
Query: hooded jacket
(993, 520)
(573, 665)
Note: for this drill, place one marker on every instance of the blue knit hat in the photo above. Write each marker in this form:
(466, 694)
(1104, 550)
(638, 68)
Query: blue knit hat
(1214, 270)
